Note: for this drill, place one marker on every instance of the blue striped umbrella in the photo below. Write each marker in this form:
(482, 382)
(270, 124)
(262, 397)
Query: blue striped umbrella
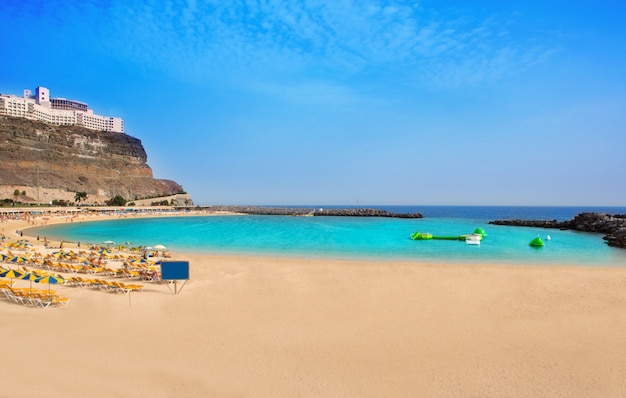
(11, 274)
(50, 279)
(29, 276)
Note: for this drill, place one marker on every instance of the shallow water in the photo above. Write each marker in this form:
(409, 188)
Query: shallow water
(356, 237)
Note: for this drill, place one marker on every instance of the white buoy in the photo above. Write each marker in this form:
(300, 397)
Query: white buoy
(548, 237)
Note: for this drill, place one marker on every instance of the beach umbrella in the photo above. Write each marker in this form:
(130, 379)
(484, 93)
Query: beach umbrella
(108, 242)
(50, 279)
(18, 259)
(29, 276)
(11, 274)
(104, 251)
(159, 247)
(22, 245)
(139, 261)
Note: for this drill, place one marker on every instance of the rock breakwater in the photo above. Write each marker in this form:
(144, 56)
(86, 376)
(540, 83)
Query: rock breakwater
(613, 226)
(299, 211)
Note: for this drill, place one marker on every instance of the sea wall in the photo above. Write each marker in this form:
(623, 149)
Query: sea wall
(299, 211)
(613, 226)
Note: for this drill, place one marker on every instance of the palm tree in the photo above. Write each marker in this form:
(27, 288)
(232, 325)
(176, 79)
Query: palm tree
(80, 196)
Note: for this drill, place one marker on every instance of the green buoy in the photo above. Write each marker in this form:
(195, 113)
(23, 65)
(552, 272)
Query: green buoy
(480, 231)
(537, 242)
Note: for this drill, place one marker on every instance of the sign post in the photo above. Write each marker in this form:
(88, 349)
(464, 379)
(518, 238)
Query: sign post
(174, 271)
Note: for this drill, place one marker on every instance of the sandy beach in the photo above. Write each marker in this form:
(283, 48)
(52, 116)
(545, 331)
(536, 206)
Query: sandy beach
(280, 327)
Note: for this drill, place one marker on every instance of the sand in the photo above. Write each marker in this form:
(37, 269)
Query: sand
(281, 327)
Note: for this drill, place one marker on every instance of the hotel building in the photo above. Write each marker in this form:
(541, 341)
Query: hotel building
(59, 111)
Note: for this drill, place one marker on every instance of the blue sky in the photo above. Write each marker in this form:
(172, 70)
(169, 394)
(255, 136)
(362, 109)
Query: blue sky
(346, 102)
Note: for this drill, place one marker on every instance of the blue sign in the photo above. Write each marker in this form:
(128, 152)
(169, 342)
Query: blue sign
(175, 270)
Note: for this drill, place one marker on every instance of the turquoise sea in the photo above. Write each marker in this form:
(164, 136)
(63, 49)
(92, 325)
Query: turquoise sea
(362, 237)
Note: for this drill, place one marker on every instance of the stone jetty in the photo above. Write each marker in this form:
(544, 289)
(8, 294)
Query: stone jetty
(612, 226)
(317, 212)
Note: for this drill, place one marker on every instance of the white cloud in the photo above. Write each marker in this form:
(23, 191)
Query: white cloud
(197, 39)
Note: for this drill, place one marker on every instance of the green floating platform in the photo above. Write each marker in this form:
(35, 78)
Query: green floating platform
(479, 234)
(447, 237)
(421, 236)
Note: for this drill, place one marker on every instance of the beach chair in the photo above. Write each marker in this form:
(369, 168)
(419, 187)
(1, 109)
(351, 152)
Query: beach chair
(5, 284)
(105, 271)
(99, 284)
(37, 300)
(72, 282)
(134, 288)
(119, 287)
(8, 294)
(16, 296)
(57, 301)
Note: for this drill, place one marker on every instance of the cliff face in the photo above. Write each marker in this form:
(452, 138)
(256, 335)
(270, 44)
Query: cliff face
(70, 159)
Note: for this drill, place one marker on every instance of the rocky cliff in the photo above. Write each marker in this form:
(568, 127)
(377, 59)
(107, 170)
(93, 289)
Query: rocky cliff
(54, 162)
(612, 226)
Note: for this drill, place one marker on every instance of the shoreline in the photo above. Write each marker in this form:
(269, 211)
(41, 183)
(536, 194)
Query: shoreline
(609, 260)
(278, 327)
(25, 225)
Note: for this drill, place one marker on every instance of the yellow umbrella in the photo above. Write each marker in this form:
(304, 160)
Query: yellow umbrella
(29, 276)
(11, 274)
(49, 279)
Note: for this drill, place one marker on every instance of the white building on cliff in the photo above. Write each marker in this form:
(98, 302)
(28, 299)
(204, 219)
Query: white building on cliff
(59, 111)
